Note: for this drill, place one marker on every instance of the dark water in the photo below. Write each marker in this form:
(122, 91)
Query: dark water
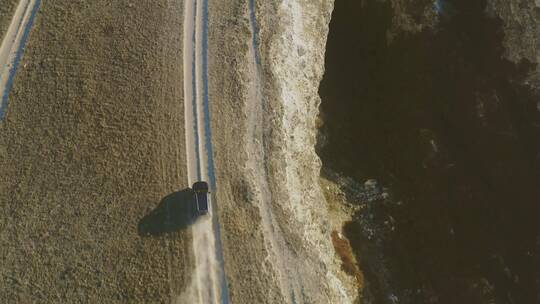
(441, 119)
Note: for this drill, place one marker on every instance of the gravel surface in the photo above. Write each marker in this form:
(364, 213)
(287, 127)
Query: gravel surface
(521, 25)
(92, 141)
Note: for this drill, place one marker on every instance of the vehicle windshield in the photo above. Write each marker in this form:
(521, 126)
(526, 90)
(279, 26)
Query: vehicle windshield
(202, 201)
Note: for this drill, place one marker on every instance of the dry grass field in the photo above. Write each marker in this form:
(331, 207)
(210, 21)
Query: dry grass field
(92, 141)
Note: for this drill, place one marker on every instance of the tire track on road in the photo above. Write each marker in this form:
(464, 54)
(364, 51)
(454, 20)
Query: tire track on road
(210, 285)
(12, 47)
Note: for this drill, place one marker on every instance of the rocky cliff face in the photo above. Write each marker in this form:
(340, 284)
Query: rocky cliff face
(438, 101)
(294, 59)
(266, 106)
(401, 65)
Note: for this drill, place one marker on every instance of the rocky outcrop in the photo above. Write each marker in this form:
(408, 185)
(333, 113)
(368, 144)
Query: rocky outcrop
(293, 64)
(521, 19)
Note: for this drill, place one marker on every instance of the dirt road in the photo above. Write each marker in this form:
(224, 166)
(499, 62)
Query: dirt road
(210, 285)
(12, 46)
(7, 10)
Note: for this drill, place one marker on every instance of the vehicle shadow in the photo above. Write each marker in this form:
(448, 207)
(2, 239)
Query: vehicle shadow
(175, 211)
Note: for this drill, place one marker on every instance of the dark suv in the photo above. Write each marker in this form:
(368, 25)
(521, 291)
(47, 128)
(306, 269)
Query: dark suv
(200, 196)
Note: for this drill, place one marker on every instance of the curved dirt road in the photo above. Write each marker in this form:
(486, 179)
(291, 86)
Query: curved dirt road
(13, 45)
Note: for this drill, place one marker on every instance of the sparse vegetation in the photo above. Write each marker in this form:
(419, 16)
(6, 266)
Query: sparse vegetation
(344, 251)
